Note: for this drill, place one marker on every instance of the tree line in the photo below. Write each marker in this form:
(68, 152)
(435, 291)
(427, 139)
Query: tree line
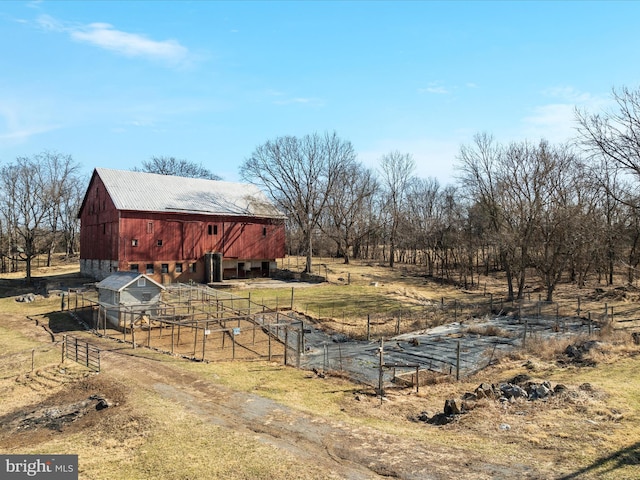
(562, 212)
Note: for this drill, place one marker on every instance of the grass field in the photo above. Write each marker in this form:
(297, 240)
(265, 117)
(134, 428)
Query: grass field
(190, 420)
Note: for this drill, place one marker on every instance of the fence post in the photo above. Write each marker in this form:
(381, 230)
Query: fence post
(458, 361)
(300, 344)
(204, 338)
(64, 348)
(368, 327)
(381, 363)
(286, 343)
(578, 305)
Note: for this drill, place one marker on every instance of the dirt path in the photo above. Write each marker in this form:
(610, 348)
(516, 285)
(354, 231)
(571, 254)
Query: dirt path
(349, 452)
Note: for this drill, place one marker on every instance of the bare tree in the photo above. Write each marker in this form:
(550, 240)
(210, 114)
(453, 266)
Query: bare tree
(177, 167)
(69, 220)
(32, 194)
(24, 198)
(347, 215)
(483, 178)
(300, 174)
(396, 172)
(60, 175)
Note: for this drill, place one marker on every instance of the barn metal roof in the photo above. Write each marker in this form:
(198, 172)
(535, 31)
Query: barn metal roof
(118, 281)
(152, 192)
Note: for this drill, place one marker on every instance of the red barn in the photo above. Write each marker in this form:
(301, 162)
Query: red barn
(177, 229)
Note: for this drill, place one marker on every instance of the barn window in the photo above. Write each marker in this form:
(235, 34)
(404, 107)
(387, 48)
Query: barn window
(150, 227)
(104, 228)
(146, 297)
(133, 267)
(192, 267)
(264, 231)
(142, 282)
(178, 268)
(159, 243)
(212, 229)
(149, 267)
(134, 242)
(165, 268)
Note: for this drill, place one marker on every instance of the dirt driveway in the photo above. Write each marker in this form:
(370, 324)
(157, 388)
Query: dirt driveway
(348, 452)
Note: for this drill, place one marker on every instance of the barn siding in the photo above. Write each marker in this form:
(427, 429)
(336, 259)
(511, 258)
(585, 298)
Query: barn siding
(115, 240)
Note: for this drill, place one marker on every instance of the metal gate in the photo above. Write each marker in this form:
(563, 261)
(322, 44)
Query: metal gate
(81, 352)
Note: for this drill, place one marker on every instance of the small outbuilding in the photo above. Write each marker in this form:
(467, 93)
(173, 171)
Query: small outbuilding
(128, 297)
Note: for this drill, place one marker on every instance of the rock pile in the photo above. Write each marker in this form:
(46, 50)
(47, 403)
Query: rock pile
(521, 387)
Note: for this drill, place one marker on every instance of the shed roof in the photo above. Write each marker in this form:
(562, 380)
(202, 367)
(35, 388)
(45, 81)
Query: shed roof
(141, 191)
(118, 281)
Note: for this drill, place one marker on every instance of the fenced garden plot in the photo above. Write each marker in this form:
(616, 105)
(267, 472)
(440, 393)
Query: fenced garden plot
(453, 349)
(200, 323)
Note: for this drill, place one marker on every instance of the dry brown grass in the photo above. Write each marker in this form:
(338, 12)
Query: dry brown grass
(588, 431)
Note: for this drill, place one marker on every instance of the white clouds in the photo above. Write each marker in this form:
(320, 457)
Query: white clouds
(105, 36)
(20, 121)
(439, 90)
(556, 121)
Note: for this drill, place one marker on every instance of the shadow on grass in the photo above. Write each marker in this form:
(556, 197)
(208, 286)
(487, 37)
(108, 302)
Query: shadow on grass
(10, 287)
(60, 322)
(622, 458)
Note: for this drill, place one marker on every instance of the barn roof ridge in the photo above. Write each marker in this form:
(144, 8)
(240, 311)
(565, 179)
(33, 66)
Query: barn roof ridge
(142, 191)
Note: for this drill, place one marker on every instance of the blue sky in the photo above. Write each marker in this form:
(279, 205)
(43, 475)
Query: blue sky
(115, 82)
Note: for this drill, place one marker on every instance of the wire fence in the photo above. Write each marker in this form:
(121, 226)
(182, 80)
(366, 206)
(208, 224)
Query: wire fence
(197, 322)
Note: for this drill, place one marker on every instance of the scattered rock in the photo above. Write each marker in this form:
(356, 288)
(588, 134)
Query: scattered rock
(452, 406)
(559, 388)
(442, 419)
(513, 391)
(26, 298)
(520, 379)
(505, 426)
(486, 390)
(423, 416)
